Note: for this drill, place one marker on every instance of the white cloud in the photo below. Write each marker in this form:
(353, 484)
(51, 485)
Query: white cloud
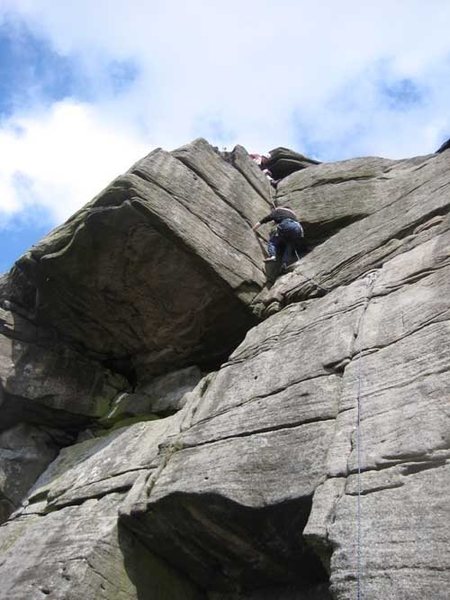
(59, 159)
(260, 73)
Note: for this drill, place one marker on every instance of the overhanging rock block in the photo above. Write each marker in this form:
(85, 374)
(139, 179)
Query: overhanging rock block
(158, 270)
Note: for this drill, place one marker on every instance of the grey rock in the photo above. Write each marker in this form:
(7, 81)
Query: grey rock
(317, 454)
(239, 158)
(82, 553)
(400, 374)
(333, 195)
(416, 212)
(163, 395)
(25, 451)
(404, 537)
(252, 445)
(176, 264)
(102, 465)
(34, 378)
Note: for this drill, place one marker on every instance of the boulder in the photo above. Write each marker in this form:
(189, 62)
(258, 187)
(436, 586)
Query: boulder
(232, 500)
(283, 162)
(175, 267)
(57, 386)
(70, 521)
(328, 197)
(393, 427)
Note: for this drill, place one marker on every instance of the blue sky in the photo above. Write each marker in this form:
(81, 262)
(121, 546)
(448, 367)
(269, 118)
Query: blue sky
(88, 88)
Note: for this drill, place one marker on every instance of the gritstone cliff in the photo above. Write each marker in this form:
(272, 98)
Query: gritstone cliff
(172, 427)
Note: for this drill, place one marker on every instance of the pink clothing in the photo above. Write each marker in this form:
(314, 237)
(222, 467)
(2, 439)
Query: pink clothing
(259, 159)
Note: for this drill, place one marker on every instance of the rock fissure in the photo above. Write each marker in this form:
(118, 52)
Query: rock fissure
(93, 482)
(434, 320)
(255, 432)
(411, 380)
(115, 585)
(59, 503)
(410, 230)
(411, 280)
(406, 469)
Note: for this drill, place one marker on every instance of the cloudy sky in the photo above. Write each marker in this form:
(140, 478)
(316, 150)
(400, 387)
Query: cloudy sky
(87, 88)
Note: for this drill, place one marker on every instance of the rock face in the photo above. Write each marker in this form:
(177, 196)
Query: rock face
(307, 460)
(166, 243)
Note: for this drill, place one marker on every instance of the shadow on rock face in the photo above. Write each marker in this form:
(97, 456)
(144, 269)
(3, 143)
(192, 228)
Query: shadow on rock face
(123, 288)
(227, 547)
(152, 577)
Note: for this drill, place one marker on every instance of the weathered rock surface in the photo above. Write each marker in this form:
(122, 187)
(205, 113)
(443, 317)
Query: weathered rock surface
(163, 396)
(411, 206)
(25, 451)
(174, 269)
(79, 552)
(309, 465)
(34, 377)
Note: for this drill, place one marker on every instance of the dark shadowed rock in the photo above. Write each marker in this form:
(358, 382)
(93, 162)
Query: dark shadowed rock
(25, 451)
(37, 381)
(284, 162)
(163, 395)
(445, 146)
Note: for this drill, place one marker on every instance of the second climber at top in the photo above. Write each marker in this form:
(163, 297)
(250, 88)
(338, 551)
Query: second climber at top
(287, 239)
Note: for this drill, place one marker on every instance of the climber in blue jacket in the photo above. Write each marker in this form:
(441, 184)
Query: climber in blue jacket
(287, 240)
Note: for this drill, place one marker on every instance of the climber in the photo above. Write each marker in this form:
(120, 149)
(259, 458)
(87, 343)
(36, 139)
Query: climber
(261, 160)
(287, 239)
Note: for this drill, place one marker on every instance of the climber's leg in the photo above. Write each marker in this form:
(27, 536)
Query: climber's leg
(291, 232)
(275, 247)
